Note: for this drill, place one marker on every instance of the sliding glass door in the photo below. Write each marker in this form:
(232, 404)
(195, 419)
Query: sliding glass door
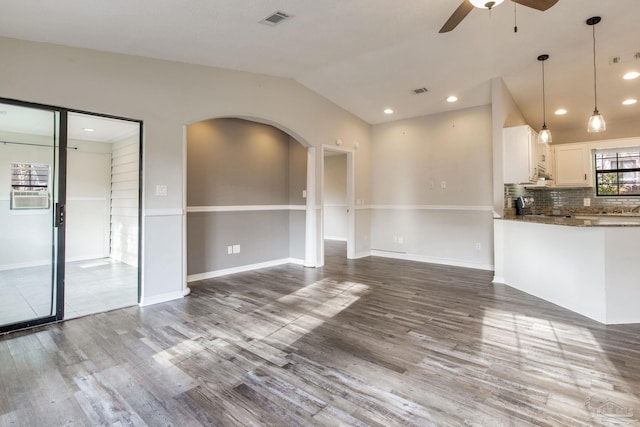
(69, 213)
(31, 219)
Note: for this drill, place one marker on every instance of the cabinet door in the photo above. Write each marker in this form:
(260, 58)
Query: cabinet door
(572, 166)
(520, 165)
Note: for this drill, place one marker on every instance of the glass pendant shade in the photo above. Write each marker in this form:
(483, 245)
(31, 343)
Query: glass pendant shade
(544, 137)
(484, 4)
(596, 123)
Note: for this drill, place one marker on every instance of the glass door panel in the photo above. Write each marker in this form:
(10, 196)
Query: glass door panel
(102, 214)
(28, 195)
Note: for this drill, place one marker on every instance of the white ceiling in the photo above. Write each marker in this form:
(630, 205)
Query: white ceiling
(367, 55)
(32, 121)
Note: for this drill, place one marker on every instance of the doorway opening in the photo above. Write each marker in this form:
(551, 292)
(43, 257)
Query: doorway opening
(338, 215)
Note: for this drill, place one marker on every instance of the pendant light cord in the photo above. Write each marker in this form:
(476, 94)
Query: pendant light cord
(595, 75)
(544, 100)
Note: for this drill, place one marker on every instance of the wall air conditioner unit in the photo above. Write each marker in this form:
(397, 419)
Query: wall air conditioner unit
(29, 199)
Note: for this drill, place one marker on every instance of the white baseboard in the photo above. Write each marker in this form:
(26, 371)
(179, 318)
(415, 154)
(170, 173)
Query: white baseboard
(156, 299)
(336, 238)
(498, 279)
(362, 254)
(243, 268)
(432, 260)
(24, 265)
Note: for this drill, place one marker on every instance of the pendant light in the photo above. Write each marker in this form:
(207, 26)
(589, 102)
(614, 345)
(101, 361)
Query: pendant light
(544, 136)
(596, 121)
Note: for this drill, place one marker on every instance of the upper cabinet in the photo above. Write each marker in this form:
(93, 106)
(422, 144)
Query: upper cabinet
(572, 165)
(524, 159)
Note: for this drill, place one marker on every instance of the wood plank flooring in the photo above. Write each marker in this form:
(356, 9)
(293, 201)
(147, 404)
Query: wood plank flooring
(370, 342)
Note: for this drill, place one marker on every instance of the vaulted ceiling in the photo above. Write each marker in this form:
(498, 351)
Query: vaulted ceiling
(368, 55)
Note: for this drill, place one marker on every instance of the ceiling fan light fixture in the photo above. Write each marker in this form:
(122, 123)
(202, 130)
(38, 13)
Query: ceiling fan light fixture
(596, 121)
(484, 4)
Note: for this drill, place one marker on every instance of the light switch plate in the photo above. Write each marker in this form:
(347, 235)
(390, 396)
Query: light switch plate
(161, 190)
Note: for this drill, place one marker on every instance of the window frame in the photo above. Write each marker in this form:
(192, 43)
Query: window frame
(616, 172)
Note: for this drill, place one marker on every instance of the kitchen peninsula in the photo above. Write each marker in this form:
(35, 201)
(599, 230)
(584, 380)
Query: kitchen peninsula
(587, 264)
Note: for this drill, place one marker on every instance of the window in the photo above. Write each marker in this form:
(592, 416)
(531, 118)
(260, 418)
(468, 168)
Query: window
(618, 172)
(29, 186)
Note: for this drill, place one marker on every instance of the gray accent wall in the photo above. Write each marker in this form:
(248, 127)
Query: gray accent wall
(239, 164)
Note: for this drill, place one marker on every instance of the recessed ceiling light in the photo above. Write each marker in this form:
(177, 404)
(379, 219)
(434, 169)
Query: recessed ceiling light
(388, 111)
(629, 101)
(631, 75)
(88, 129)
(560, 111)
(452, 98)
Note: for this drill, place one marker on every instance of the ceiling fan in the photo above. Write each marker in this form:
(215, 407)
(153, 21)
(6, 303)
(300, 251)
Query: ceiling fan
(468, 5)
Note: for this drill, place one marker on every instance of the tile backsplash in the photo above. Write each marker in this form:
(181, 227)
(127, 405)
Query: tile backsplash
(553, 200)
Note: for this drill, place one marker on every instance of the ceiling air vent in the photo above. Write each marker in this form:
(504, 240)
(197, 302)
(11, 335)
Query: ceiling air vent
(627, 57)
(420, 90)
(276, 18)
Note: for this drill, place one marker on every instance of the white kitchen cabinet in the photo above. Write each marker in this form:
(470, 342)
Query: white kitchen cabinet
(572, 165)
(524, 159)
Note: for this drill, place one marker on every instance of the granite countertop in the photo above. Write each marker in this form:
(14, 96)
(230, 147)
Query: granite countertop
(579, 220)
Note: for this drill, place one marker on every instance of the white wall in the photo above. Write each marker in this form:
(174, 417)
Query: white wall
(335, 197)
(25, 235)
(412, 216)
(166, 96)
(88, 201)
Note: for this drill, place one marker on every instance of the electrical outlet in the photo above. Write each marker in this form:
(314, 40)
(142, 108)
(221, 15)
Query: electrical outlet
(395, 239)
(400, 240)
(443, 184)
(304, 194)
(236, 249)
(478, 246)
(229, 250)
(161, 190)
(586, 201)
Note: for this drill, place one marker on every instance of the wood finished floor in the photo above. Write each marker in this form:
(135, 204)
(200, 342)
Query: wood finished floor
(371, 342)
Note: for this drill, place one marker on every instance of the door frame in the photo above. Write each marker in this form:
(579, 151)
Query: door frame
(351, 215)
(58, 251)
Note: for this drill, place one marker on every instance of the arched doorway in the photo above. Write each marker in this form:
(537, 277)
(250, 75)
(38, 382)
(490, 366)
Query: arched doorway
(246, 197)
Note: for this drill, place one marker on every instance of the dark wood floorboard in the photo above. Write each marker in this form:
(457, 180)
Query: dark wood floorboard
(369, 342)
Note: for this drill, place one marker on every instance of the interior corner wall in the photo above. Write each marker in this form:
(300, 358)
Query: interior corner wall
(243, 179)
(504, 113)
(166, 96)
(335, 197)
(297, 200)
(432, 188)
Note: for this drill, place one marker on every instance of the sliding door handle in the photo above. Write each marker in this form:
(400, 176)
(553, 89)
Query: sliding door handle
(59, 214)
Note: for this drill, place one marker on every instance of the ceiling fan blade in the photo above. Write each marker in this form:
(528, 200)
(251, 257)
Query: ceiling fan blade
(541, 5)
(457, 16)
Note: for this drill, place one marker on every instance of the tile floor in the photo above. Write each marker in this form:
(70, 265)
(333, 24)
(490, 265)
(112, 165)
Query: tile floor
(92, 286)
